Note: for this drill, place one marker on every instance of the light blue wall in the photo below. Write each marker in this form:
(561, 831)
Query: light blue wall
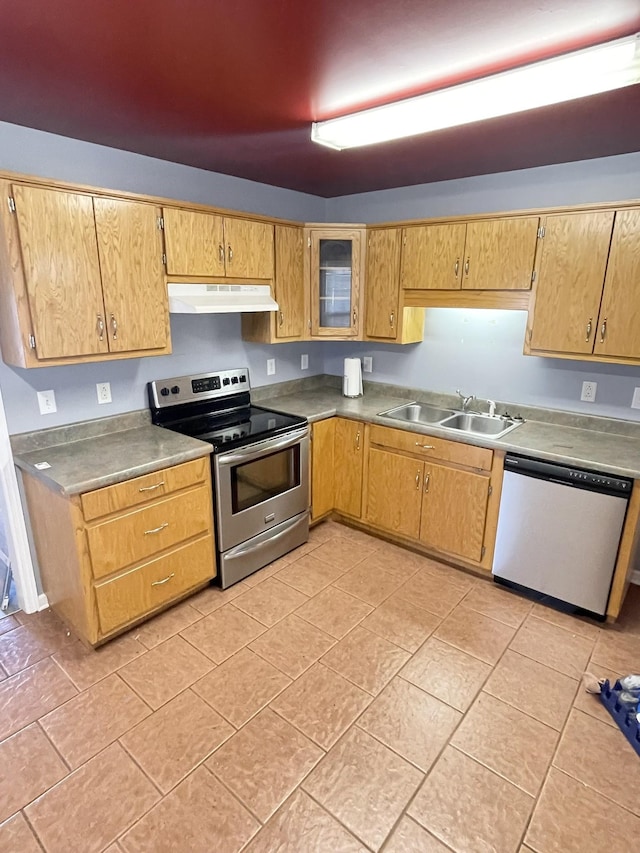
(606, 179)
(480, 352)
(47, 155)
(200, 344)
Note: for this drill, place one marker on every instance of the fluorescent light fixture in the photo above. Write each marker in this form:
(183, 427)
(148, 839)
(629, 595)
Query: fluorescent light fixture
(563, 78)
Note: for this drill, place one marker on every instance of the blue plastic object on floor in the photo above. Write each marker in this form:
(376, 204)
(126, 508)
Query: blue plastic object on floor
(630, 729)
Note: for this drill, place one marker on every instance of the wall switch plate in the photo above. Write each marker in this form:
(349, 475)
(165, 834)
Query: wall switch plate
(367, 364)
(47, 402)
(589, 392)
(635, 402)
(304, 362)
(103, 390)
(271, 366)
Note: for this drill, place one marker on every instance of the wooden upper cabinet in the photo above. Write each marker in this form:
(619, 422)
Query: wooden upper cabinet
(130, 249)
(335, 270)
(62, 273)
(432, 256)
(249, 247)
(499, 253)
(618, 332)
(289, 281)
(568, 289)
(454, 510)
(194, 242)
(382, 283)
(205, 244)
(348, 463)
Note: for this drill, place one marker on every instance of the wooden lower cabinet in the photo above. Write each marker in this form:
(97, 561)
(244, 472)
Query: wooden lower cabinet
(348, 464)
(454, 510)
(322, 468)
(394, 492)
(111, 557)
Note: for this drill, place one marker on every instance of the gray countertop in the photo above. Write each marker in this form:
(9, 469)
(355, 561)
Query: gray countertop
(102, 460)
(93, 454)
(584, 446)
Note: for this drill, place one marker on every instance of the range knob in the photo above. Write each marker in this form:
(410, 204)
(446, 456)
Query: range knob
(175, 389)
(164, 392)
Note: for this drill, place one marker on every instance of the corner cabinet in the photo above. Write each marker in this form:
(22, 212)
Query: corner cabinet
(386, 316)
(585, 299)
(336, 275)
(111, 558)
(68, 261)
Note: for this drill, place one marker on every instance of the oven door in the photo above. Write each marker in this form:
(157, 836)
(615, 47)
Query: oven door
(260, 486)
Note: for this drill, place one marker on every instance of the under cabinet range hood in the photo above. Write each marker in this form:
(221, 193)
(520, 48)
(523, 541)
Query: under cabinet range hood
(219, 298)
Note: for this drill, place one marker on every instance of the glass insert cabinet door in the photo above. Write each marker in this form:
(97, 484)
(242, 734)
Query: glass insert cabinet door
(335, 283)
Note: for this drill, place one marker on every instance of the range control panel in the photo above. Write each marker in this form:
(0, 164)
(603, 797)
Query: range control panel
(202, 386)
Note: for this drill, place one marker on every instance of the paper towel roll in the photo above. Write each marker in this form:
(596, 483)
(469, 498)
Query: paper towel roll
(352, 378)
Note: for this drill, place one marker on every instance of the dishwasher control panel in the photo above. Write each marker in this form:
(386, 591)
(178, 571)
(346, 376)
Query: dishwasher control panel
(595, 481)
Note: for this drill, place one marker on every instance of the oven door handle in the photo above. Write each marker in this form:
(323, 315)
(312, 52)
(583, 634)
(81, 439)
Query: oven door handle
(254, 451)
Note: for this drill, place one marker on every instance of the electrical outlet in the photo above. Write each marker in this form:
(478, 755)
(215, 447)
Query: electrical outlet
(271, 366)
(103, 390)
(47, 402)
(367, 364)
(589, 392)
(304, 362)
(635, 402)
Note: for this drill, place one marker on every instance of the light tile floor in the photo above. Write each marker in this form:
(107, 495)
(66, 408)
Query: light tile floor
(352, 696)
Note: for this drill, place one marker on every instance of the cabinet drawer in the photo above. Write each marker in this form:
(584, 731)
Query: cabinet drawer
(430, 447)
(143, 589)
(142, 489)
(138, 534)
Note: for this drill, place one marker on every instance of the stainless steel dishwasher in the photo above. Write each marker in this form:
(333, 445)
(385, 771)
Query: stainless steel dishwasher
(558, 532)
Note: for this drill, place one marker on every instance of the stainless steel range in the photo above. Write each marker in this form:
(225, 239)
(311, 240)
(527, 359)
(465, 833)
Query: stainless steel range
(260, 465)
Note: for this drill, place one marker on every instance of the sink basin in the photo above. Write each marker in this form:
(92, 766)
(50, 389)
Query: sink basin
(480, 424)
(470, 422)
(418, 413)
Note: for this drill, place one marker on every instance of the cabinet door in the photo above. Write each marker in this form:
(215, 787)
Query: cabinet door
(194, 242)
(618, 332)
(335, 283)
(454, 510)
(322, 467)
(499, 254)
(289, 281)
(249, 248)
(432, 256)
(135, 295)
(570, 280)
(62, 272)
(348, 443)
(382, 288)
(394, 492)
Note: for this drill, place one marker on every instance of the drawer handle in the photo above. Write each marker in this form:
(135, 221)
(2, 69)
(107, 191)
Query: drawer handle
(425, 446)
(151, 488)
(157, 529)
(164, 580)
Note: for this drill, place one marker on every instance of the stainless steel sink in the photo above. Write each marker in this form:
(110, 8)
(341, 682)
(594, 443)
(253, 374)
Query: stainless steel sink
(466, 422)
(418, 413)
(480, 424)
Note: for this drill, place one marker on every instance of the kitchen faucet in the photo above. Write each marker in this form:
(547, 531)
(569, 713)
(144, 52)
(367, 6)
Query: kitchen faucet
(466, 401)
